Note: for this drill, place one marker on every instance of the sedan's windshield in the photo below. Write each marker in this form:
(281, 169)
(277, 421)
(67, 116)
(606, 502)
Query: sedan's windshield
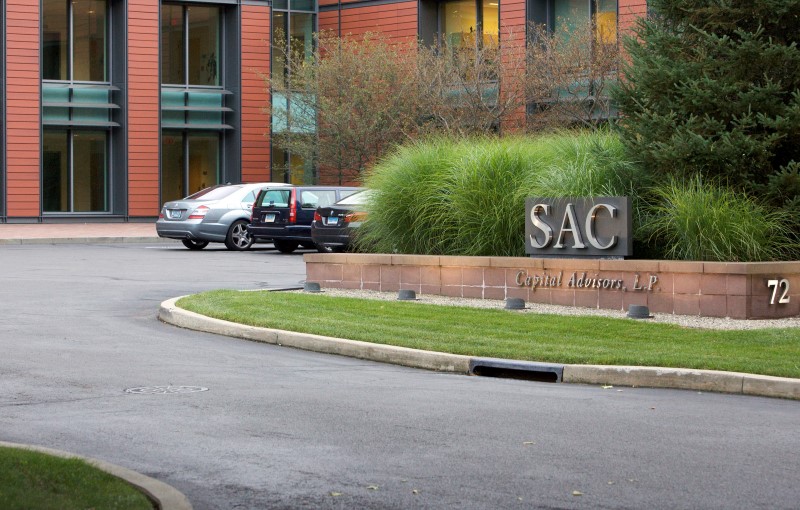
(214, 192)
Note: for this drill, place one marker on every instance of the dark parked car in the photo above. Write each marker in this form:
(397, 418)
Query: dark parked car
(334, 226)
(218, 214)
(284, 214)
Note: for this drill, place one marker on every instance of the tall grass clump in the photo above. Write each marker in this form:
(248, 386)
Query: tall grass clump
(467, 196)
(697, 220)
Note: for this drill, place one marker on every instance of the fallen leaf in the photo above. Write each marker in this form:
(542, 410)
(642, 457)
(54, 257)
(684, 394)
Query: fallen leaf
(372, 487)
(652, 408)
(610, 483)
(415, 491)
(520, 499)
(577, 493)
(336, 494)
(528, 443)
(607, 387)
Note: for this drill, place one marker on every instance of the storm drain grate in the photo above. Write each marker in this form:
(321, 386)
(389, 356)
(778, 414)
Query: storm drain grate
(162, 390)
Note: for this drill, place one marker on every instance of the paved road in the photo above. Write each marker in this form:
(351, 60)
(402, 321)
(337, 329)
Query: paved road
(281, 428)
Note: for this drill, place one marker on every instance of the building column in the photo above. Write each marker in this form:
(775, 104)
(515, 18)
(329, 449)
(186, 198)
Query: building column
(144, 89)
(255, 122)
(23, 110)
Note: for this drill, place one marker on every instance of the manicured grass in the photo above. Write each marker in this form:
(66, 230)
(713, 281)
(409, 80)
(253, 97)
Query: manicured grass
(506, 334)
(31, 480)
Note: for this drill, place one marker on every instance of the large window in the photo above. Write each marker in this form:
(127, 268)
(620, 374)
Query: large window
(77, 105)
(190, 161)
(75, 167)
(74, 40)
(293, 26)
(190, 45)
(192, 98)
(564, 17)
(465, 23)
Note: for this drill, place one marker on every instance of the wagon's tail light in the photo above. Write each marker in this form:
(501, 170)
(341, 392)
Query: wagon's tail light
(161, 215)
(317, 216)
(199, 213)
(293, 208)
(355, 216)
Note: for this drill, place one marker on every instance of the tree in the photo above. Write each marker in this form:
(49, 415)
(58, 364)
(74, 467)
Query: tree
(712, 87)
(569, 74)
(471, 89)
(347, 104)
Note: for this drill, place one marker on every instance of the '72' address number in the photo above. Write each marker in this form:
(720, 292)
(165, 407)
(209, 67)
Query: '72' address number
(783, 285)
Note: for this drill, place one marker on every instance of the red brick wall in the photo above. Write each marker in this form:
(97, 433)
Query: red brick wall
(23, 104)
(144, 140)
(513, 23)
(396, 20)
(707, 289)
(629, 11)
(255, 123)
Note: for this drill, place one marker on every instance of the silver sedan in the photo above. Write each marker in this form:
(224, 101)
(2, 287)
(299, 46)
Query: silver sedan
(218, 214)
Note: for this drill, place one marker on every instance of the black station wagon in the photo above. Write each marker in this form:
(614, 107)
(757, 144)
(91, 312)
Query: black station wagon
(284, 214)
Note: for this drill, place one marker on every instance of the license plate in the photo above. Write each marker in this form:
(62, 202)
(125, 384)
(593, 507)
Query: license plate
(174, 214)
(333, 220)
(269, 218)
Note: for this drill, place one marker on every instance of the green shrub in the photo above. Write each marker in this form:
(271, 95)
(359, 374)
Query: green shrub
(467, 197)
(696, 220)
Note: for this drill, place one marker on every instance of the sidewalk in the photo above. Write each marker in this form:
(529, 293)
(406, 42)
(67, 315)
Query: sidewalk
(40, 233)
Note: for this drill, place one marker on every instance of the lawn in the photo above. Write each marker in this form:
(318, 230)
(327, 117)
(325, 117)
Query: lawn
(507, 334)
(31, 480)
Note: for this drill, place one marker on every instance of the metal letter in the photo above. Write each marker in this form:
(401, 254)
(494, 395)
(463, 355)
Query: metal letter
(569, 217)
(590, 226)
(541, 225)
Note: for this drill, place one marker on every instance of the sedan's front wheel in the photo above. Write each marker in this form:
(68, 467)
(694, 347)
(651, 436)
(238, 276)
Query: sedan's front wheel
(238, 237)
(193, 244)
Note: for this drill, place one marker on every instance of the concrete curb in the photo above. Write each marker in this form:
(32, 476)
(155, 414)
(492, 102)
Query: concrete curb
(171, 314)
(652, 377)
(164, 496)
(83, 240)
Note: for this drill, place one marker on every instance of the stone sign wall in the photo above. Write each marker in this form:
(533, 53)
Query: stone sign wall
(759, 290)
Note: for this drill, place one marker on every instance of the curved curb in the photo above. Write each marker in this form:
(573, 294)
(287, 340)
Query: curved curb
(171, 314)
(164, 496)
(652, 377)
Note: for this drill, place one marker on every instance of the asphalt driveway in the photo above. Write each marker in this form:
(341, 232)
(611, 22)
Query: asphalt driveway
(236, 424)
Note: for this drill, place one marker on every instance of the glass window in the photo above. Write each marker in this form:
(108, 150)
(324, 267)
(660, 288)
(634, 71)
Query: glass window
(172, 44)
(462, 23)
(190, 162)
(459, 21)
(172, 163)
(55, 171)
(203, 160)
(203, 45)
(317, 198)
(606, 22)
(89, 40)
(190, 45)
(279, 31)
(74, 40)
(276, 198)
(490, 23)
(55, 40)
(572, 15)
(74, 171)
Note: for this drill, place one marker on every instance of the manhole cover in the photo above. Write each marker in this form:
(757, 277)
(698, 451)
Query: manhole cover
(160, 390)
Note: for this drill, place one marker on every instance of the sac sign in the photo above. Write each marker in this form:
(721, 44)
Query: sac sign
(596, 227)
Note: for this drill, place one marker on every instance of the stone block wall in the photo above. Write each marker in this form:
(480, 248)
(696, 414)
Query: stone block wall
(709, 289)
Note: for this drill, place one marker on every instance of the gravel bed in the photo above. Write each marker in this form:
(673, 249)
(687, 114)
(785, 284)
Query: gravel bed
(681, 320)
